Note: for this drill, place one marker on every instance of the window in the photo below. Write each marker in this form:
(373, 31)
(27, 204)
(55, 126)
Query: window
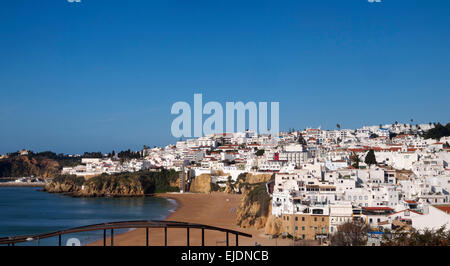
(315, 219)
(303, 219)
(303, 228)
(296, 218)
(323, 219)
(317, 211)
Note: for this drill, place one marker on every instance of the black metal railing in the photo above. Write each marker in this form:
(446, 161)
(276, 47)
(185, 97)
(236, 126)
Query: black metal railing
(11, 241)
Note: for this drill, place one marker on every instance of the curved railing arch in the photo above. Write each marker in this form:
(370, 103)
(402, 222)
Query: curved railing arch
(123, 225)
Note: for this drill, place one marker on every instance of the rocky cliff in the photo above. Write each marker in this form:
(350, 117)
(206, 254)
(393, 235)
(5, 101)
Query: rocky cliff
(118, 185)
(43, 164)
(254, 208)
(256, 205)
(273, 224)
(245, 179)
(65, 184)
(257, 178)
(20, 166)
(201, 184)
(98, 187)
(111, 186)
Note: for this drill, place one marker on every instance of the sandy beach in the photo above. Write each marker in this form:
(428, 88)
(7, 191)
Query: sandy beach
(215, 209)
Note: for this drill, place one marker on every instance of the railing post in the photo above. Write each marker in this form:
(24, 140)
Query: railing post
(165, 225)
(187, 233)
(203, 236)
(112, 237)
(146, 236)
(165, 236)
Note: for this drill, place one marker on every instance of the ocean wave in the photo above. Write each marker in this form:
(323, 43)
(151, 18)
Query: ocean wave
(174, 208)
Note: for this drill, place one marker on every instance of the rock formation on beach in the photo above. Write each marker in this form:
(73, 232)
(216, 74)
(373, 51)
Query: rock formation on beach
(245, 179)
(273, 224)
(201, 184)
(255, 208)
(96, 188)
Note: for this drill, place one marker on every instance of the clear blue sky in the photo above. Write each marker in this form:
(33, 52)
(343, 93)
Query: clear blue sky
(103, 74)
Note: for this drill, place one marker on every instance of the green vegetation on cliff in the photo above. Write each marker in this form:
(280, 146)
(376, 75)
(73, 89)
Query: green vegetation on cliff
(254, 207)
(259, 194)
(69, 179)
(159, 182)
(43, 164)
(122, 184)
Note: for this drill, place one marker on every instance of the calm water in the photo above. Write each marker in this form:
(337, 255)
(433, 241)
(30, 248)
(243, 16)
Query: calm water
(26, 210)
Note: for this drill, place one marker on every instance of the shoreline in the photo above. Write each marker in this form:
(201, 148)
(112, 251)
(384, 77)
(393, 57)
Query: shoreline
(215, 209)
(173, 210)
(176, 202)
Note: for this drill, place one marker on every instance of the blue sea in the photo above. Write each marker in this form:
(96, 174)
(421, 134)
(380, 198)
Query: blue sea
(27, 210)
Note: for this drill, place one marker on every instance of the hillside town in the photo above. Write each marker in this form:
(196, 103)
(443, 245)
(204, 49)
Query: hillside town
(387, 176)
